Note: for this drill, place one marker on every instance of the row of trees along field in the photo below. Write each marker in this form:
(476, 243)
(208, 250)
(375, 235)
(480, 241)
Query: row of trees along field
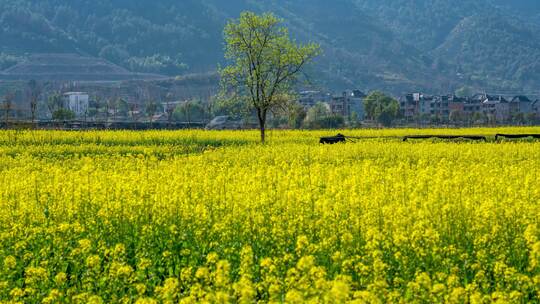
(36, 104)
(382, 109)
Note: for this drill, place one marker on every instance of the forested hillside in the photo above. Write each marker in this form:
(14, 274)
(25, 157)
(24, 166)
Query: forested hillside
(388, 44)
(528, 8)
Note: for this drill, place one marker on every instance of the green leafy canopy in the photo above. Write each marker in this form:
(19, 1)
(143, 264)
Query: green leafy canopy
(264, 63)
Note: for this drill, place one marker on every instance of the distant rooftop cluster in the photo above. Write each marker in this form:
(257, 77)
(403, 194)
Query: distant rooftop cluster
(495, 108)
(344, 104)
(420, 107)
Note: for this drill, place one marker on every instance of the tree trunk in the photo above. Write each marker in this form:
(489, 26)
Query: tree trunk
(33, 107)
(262, 124)
(263, 135)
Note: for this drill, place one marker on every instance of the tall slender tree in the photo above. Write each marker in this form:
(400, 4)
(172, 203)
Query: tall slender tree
(7, 107)
(264, 63)
(34, 91)
(54, 103)
(151, 107)
(169, 107)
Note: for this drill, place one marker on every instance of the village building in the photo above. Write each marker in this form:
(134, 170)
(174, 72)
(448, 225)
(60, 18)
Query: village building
(344, 104)
(441, 106)
(496, 107)
(471, 106)
(355, 104)
(77, 102)
(409, 105)
(348, 102)
(308, 99)
(521, 105)
(426, 105)
(457, 105)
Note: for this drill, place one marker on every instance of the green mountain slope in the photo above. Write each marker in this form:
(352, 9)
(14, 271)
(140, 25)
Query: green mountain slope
(423, 23)
(493, 44)
(397, 45)
(490, 48)
(529, 9)
(358, 50)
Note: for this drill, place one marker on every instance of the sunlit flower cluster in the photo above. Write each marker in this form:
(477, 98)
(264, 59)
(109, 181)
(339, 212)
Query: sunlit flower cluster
(214, 217)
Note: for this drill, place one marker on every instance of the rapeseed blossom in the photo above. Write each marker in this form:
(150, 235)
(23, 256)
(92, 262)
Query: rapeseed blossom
(214, 217)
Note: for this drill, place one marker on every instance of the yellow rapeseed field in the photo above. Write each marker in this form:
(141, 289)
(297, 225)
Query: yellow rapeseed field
(195, 216)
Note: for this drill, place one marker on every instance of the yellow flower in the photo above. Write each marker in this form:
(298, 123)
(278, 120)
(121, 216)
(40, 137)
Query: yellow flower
(35, 275)
(141, 288)
(120, 270)
(130, 215)
(438, 288)
(223, 269)
(53, 296)
(93, 261)
(169, 290)
(294, 296)
(339, 292)
(202, 273)
(144, 264)
(212, 258)
(60, 278)
(146, 301)
(16, 293)
(119, 250)
(95, 300)
(10, 262)
(85, 245)
(186, 274)
(458, 295)
(301, 244)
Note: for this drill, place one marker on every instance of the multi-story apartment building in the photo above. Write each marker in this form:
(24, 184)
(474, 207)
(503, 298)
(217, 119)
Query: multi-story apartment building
(495, 107)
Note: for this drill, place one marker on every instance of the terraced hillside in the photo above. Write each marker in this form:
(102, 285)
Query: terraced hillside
(70, 67)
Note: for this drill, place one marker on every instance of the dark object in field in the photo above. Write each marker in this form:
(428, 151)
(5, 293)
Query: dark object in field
(470, 137)
(517, 136)
(340, 138)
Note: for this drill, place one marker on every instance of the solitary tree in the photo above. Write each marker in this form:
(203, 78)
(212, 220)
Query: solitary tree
(34, 90)
(7, 107)
(151, 108)
(133, 111)
(264, 63)
(54, 103)
(123, 107)
(98, 104)
(106, 105)
(186, 110)
(169, 107)
(112, 104)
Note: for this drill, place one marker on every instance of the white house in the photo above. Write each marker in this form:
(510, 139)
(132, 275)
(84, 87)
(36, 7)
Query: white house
(167, 107)
(355, 102)
(78, 102)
